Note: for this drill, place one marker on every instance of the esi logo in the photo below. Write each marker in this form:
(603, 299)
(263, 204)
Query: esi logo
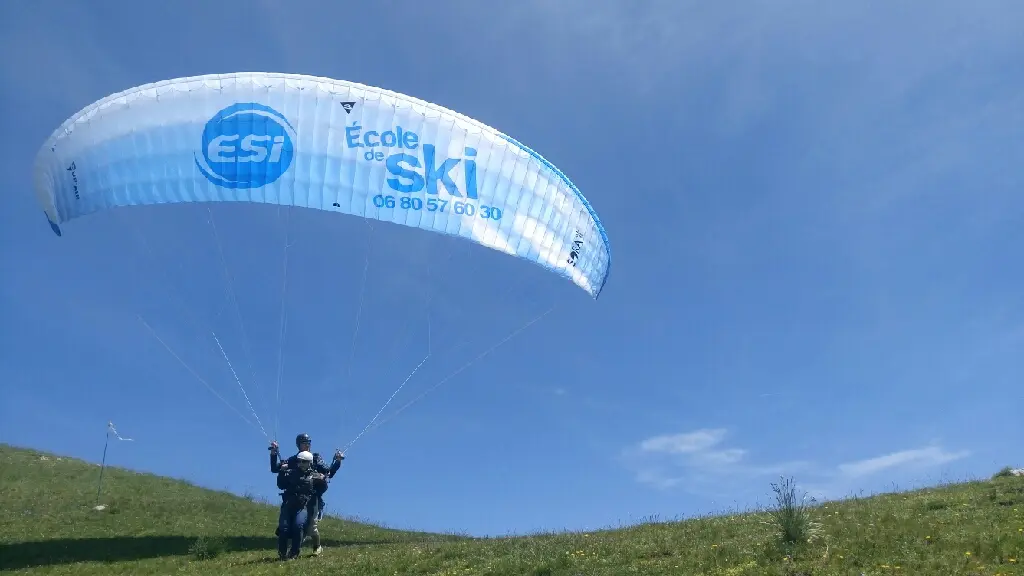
(246, 145)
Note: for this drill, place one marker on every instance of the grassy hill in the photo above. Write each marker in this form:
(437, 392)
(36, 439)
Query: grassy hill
(154, 525)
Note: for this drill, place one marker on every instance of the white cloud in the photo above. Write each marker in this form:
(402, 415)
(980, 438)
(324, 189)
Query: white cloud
(700, 460)
(880, 472)
(920, 457)
(656, 478)
(725, 457)
(743, 47)
(685, 443)
(695, 457)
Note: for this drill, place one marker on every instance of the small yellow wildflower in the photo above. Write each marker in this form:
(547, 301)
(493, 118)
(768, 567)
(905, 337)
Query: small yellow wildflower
(967, 553)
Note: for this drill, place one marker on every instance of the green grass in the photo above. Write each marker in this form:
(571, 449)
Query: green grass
(154, 525)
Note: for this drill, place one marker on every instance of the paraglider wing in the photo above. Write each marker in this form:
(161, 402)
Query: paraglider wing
(325, 144)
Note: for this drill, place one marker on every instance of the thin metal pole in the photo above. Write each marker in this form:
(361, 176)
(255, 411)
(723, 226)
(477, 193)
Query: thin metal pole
(103, 465)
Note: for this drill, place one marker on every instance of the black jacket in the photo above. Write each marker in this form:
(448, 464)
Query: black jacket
(299, 488)
(319, 465)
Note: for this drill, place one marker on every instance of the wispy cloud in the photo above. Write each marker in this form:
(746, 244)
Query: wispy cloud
(701, 460)
(920, 457)
(695, 457)
(673, 37)
(876, 471)
(686, 443)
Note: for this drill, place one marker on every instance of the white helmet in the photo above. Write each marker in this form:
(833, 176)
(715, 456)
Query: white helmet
(305, 457)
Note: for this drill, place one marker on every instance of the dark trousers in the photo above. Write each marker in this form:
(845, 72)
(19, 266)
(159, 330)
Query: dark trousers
(291, 525)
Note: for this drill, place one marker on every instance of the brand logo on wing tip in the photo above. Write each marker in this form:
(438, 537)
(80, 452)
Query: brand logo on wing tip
(246, 145)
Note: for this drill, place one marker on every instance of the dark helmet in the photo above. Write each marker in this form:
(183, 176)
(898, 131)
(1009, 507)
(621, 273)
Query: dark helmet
(302, 439)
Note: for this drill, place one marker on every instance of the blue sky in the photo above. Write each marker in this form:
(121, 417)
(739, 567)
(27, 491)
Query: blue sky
(815, 214)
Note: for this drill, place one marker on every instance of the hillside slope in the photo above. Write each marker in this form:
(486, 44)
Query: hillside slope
(154, 525)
